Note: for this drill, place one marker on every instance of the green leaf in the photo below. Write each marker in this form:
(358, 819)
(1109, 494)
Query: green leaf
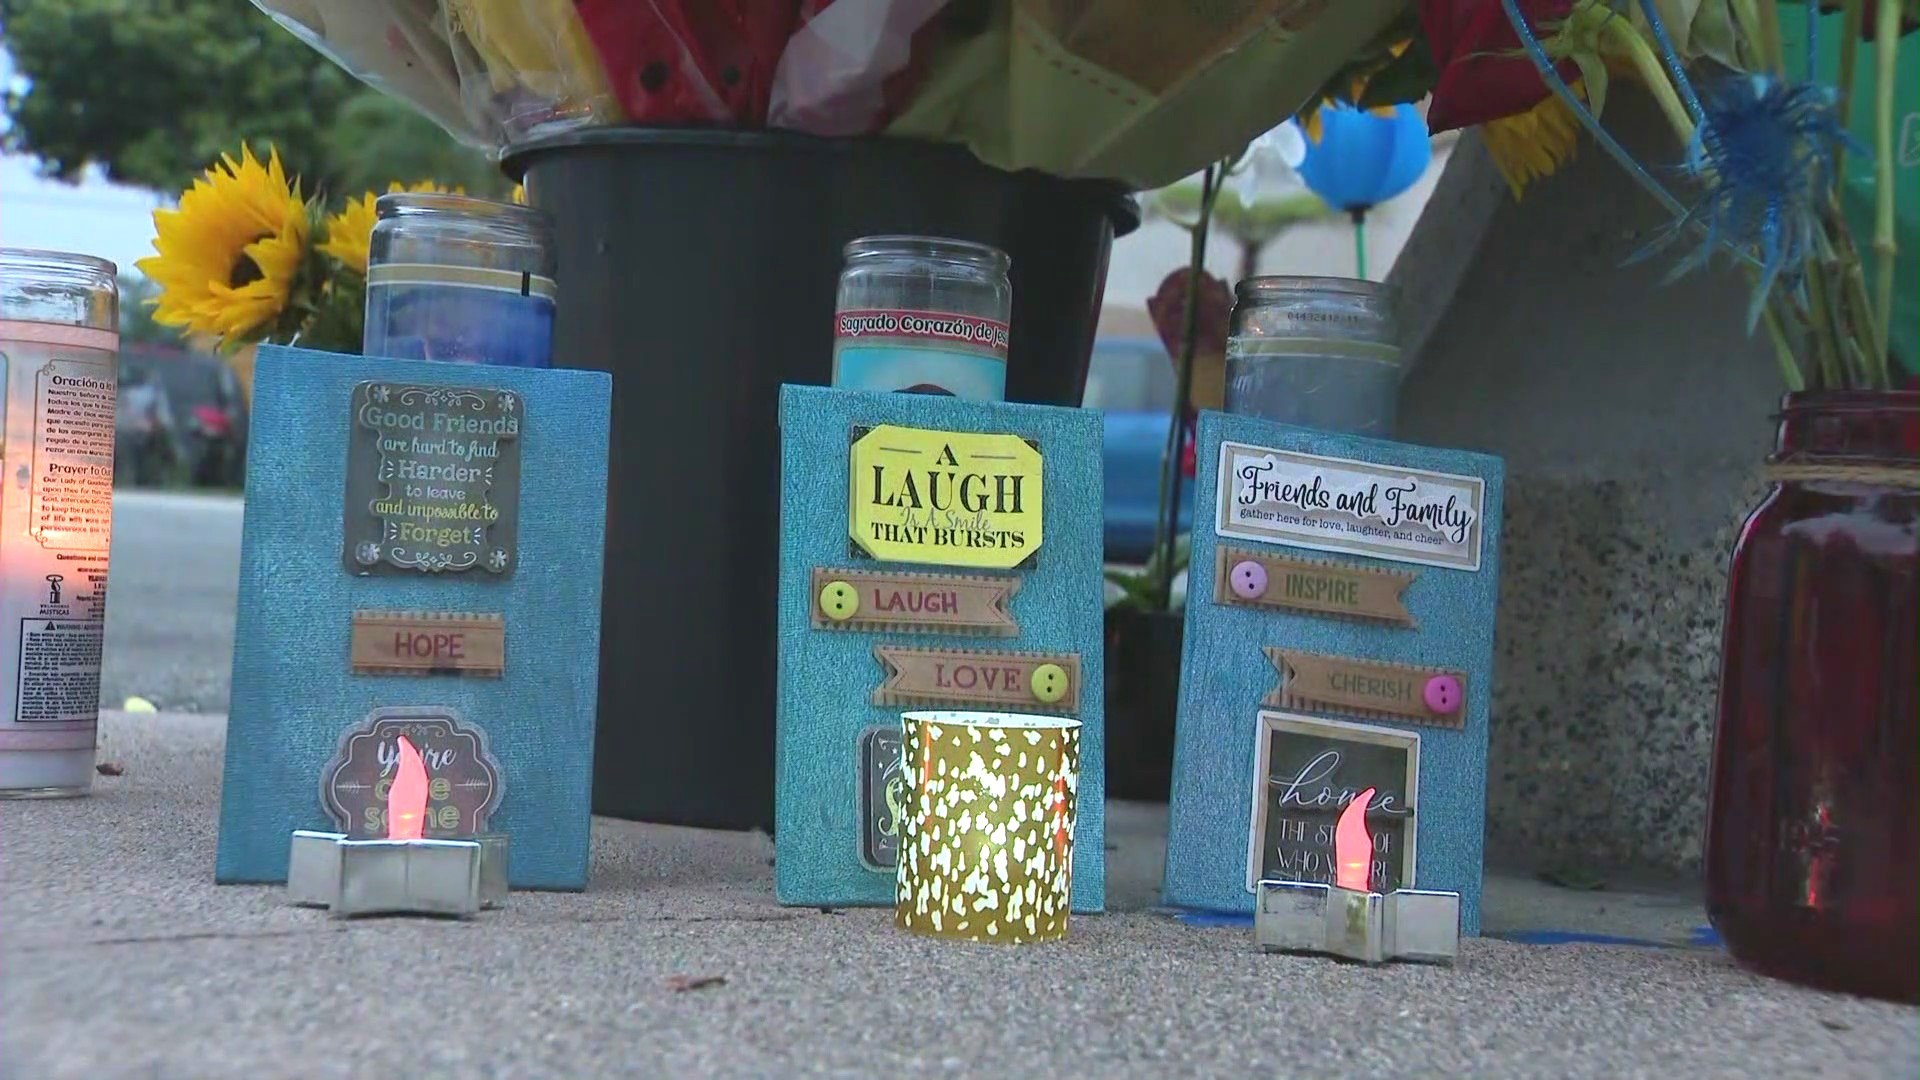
(1678, 17)
(1715, 35)
(1593, 72)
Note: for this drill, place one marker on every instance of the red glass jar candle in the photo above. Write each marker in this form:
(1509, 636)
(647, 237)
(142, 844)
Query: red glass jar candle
(1812, 826)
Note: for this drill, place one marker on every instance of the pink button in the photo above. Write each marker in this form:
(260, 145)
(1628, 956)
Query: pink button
(1443, 694)
(1249, 579)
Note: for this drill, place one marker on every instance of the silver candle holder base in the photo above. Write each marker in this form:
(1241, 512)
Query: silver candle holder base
(1308, 917)
(397, 877)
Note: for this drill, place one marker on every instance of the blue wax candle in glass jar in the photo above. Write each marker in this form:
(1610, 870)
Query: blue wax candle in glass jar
(460, 279)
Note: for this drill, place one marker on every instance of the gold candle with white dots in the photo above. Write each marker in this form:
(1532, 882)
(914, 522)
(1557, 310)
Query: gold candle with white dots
(986, 844)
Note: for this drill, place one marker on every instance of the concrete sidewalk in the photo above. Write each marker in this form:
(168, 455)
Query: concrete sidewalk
(120, 957)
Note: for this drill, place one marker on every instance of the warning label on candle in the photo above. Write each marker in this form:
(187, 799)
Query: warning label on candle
(60, 410)
(73, 455)
(59, 677)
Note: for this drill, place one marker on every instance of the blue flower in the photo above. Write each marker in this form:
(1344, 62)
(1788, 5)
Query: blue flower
(1763, 155)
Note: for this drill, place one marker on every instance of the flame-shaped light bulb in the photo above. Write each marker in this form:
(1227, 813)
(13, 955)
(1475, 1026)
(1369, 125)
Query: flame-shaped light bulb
(407, 797)
(1353, 844)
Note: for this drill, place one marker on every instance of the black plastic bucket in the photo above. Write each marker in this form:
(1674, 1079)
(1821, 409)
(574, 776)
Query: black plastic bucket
(700, 268)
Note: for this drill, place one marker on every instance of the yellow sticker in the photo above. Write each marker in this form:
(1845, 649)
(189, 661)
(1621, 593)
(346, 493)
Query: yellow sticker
(945, 498)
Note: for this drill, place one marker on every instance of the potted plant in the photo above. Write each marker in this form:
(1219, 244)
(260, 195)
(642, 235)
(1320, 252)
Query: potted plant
(1146, 609)
(1145, 622)
(1810, 861)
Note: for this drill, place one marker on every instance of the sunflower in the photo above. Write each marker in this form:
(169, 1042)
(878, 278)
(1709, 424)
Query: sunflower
(1528, 146)
(349, 232)
(228, 256)
(1309, 117)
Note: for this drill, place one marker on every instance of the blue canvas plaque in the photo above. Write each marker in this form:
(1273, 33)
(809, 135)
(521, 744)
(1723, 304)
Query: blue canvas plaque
(1339, 638)
(993, 601)
(421, 554)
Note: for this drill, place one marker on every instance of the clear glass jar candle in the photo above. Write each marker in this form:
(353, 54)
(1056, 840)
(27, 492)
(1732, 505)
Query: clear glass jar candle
(923, 315)
(1319, 352)
(460, 279)
(60, 351)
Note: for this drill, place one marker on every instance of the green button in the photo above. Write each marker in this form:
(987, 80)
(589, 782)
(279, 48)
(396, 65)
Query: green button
(1049, 683)
(839, 600)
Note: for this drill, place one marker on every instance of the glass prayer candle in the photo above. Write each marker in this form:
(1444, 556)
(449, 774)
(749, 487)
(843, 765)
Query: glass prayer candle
(923, 315)
(459, 279)
(1319, 352)
(59, 350)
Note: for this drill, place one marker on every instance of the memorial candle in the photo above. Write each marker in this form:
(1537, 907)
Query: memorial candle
(59, 352)
(1347, 919)
(458, 279)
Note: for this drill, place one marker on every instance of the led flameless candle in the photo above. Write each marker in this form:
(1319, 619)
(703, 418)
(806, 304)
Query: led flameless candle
(1347, 919)
(59, 351)
(405, 874)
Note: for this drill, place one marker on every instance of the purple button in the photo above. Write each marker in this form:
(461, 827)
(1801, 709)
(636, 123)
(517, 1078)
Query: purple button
(1443, 694)
(1249, 579)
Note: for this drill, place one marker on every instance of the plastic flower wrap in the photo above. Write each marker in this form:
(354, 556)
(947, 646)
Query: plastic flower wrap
(1143, 91)
(527, 66)
(396, 46)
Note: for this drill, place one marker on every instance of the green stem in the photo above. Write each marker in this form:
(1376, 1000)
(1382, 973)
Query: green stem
(1783, 352)
(1360, 244)
(1886, 57)
(1653, 74)
(1167, 524)
(1851, 24)
(1770, 37)
(1826, 329)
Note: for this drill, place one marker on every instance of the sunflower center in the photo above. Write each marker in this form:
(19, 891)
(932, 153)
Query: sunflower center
(245, 272)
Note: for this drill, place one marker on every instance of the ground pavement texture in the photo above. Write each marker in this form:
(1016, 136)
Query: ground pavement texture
(119, 957)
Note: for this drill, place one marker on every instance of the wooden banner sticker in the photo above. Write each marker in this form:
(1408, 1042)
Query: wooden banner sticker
(1021, 681)
(1250, 578)
(428, 642)
(1312, 682)
(844, 599)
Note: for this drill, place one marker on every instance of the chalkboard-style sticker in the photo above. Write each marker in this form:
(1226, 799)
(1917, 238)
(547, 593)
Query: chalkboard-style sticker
(1249, 578)
(428, 642)
(1306, 771)
(1017, 681)
(433, 480)
(845, 599)
(1313, 682)
(464, 782)
(1351, 507)
(944, 498)
(883, 797)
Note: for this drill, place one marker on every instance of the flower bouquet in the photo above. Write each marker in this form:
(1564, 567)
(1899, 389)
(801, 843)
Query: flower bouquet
(1141, 90)
(1761, 146)
(245, 258)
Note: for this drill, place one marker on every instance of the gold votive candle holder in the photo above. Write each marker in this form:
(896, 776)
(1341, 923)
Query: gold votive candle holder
(986, 845)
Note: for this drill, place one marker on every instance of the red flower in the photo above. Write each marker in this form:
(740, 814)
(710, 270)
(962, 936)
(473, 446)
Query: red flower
(1168, 308)
(1189, 456)
(1484, 74)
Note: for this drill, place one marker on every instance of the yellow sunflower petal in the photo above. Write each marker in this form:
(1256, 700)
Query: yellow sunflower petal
(241, 222)
(1311, 124)
(349, 233)
(1534, 144)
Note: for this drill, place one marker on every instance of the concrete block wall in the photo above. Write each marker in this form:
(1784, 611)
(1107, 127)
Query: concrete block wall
(1633, 417)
